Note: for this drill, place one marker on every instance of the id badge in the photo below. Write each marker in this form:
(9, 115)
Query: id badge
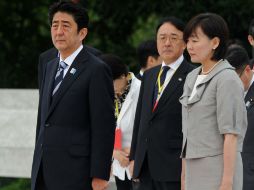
(118, 139)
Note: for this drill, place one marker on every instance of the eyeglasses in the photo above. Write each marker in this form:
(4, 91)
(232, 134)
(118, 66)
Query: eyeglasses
(172, 38)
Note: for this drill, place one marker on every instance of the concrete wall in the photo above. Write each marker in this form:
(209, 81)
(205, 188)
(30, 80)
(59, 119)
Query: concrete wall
(18, 113)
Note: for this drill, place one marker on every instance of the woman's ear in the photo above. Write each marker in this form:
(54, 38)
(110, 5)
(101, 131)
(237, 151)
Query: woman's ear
(215, 42)
(251, 40)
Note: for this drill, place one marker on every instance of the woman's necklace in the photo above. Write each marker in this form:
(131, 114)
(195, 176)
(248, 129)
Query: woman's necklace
(207, 72)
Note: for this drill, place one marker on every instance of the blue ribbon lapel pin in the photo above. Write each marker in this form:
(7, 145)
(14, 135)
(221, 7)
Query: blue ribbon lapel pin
(73, 71)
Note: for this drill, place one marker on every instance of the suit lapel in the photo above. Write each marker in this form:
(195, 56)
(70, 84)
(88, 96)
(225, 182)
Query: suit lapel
(79, 64)
(152, 80)
(49, 81)
(250, 93)
(249, 98)
(177, 79)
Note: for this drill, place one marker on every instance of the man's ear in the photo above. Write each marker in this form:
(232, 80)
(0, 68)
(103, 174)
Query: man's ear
(251, 40)
(82, 33)
(151, 61)
(247, 68)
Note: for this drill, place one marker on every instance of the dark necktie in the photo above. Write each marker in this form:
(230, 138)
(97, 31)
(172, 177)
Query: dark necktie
(162, 80)
(59, 76)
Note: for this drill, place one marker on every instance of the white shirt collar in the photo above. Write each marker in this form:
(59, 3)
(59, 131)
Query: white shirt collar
(69, 60)
(174, 65)
(141, 72)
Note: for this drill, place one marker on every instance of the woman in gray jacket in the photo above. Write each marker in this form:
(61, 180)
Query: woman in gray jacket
(214, 113)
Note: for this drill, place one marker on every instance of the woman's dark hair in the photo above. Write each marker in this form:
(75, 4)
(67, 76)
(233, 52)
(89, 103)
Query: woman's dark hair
(78, 12)
(212, 25)
(116, 65)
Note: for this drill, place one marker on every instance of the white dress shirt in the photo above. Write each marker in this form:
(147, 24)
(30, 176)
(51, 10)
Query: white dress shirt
(69, 60)
(173, 67)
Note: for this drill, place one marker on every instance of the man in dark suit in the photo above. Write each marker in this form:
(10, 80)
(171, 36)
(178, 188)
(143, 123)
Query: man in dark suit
(157, 135)
(238, 58)
(75, 129)
(52, 53)
(148, 56)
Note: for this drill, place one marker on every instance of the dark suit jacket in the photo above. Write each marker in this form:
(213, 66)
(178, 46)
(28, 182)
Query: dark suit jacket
(52, 53)
(75, 133)
(158, 134)
(248, 144)
(138, 76)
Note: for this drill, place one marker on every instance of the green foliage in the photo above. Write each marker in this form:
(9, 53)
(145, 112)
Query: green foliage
(21, 38)
(115, 27)
(144, 30)
(14, 184)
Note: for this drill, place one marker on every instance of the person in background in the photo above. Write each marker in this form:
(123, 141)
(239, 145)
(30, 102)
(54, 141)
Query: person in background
(148, 56)
(76, 124)
(126, 87)
(213, 110)
(238, 58)
(157, 135)
(251, 36)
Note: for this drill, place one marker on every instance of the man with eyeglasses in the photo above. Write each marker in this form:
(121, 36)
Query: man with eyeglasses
(157, 135)
(238, 58)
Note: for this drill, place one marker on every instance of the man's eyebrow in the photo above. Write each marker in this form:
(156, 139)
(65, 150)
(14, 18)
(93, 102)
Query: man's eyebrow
(64, 21)
(173, 34)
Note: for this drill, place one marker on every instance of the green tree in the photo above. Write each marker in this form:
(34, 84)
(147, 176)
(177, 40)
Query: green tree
(115, 27)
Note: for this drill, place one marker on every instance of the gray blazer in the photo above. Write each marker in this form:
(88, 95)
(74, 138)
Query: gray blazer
(217, 108)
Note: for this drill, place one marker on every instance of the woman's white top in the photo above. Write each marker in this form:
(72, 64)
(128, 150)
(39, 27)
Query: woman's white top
(125, 122)
(200, 78)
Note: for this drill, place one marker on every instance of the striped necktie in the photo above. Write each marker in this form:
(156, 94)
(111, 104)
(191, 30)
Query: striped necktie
(59, 76)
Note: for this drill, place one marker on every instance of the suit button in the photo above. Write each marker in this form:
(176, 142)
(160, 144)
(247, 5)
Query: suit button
(47, 125)
(146, 139)
(41, 145)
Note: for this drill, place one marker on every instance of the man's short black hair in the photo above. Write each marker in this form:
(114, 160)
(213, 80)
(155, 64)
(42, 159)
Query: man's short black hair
(251, 28)
(146, 49)
(176, 22)
(237, 56)
(78, 12)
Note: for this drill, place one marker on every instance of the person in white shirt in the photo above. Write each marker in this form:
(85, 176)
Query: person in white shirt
(126, 87)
